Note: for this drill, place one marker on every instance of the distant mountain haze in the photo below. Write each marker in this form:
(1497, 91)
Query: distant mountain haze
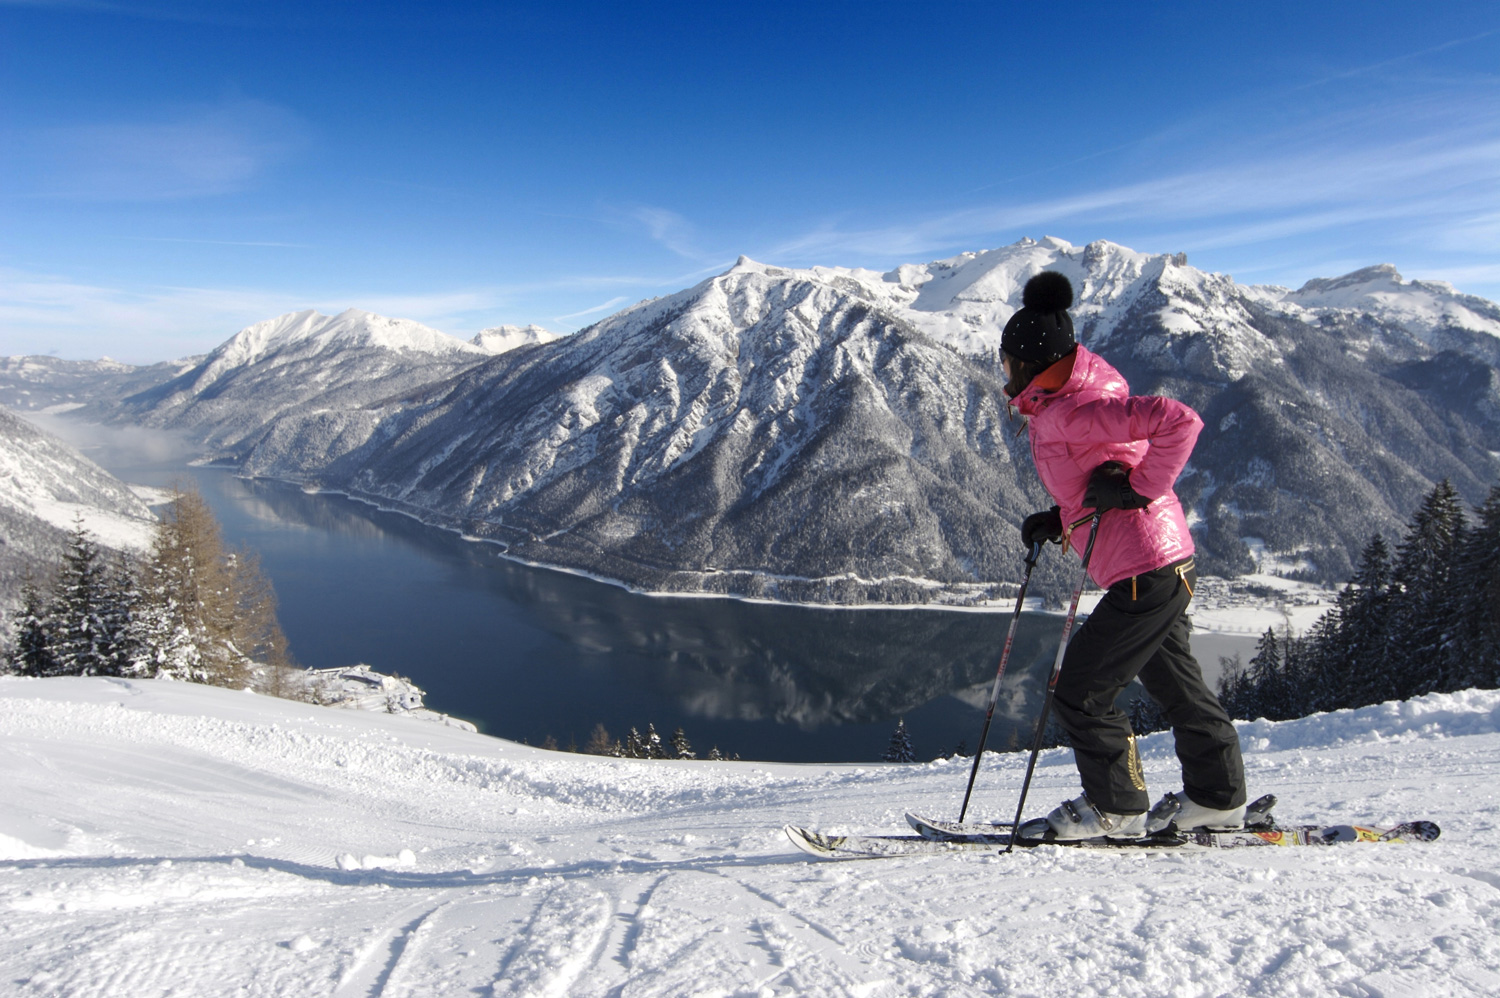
(840, 435)
(46, 489)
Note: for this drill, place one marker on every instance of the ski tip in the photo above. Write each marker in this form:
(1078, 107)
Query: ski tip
(810, 842)
(1417, 831)
(923, 826)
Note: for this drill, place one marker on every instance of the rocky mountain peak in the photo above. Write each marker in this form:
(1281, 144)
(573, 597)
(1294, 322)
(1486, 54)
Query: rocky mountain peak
(501, 339)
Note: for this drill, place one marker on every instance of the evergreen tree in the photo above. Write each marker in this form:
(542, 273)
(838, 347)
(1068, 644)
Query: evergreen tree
(90, 612)
(635, 745)
(1363, 652)
(1477, 660)
(1264, 678)
(680, 747)
(1234, 688)
(1324, 685)
(900, 750)
(652, 744)
(1145, 715)
(1425, 616)
(35, 634)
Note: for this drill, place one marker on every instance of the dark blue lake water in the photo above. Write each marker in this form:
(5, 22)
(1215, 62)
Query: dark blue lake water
(527, 653)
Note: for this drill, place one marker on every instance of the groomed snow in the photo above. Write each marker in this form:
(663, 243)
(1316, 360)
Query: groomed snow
(160, 838)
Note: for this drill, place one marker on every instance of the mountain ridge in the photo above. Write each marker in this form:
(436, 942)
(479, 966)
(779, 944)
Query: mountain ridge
(839, 434)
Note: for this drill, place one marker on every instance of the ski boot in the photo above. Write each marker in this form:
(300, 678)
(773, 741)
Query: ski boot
(1080, 819)
(1177, 812)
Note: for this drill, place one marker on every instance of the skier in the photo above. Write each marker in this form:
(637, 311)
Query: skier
(1096, 447)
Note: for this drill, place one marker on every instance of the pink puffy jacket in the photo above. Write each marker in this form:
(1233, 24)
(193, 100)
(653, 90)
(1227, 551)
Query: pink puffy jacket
(1091, 419)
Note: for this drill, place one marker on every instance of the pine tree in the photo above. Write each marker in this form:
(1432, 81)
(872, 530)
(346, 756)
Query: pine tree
(1425, 616)
(1234, 688)
(1324, 685)
(1477, 594)
(635, 745)
(1145, 715)
(90, 611)
(900, 750)
(652, 744)
(1363, 653)
(36, 633)
(1264, 678)
(680, 747)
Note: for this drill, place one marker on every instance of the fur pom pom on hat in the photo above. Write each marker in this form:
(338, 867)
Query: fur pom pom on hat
(1041, 331)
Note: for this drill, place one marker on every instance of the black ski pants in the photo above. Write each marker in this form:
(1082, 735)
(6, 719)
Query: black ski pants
(1140, 628)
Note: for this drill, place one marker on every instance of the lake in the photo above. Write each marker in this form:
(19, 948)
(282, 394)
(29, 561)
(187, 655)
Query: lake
(527, 653)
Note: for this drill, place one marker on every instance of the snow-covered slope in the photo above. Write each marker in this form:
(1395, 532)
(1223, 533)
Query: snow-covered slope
(164, 838)
(45, 487)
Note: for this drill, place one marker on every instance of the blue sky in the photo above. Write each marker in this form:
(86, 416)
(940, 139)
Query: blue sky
(171, 171)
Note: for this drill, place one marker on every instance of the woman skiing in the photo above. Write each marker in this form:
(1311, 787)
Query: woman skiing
(1096, 447)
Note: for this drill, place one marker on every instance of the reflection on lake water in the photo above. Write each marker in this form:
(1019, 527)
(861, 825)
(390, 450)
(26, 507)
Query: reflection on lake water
(528, 652)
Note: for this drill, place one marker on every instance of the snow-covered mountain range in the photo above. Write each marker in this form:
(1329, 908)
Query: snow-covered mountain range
(328, 374)
(29, 384)
(45, 487)
(837, 434)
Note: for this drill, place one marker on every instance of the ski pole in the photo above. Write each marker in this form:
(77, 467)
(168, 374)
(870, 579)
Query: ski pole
(1041, 723)
(1010, 639)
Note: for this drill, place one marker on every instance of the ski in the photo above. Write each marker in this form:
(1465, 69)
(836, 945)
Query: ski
(1257, 817)
(877, 846)
(1314, 835)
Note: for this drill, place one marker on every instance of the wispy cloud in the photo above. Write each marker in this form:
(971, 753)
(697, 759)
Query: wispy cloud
(613, 303)
(195, 152)
(1478, 274)
(1434, 178)
(1384, 64)
(76, 319)
(51, 313)
(668, 228)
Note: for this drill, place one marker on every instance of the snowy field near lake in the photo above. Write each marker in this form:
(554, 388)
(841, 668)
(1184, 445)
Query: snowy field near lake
(160, 838)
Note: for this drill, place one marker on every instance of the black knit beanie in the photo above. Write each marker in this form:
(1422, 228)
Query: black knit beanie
(1041, 331)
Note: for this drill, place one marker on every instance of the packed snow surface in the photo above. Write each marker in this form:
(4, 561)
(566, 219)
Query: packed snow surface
(161, 838)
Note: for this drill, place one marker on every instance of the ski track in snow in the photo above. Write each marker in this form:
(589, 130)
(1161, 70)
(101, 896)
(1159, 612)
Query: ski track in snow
(165, 839)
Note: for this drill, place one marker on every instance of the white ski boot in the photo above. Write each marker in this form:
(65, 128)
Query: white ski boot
(1178, 809)
(1080, 819)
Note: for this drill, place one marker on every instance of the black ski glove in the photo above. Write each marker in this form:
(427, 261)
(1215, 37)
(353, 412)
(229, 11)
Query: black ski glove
(1109, 488)
(1039, 528)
